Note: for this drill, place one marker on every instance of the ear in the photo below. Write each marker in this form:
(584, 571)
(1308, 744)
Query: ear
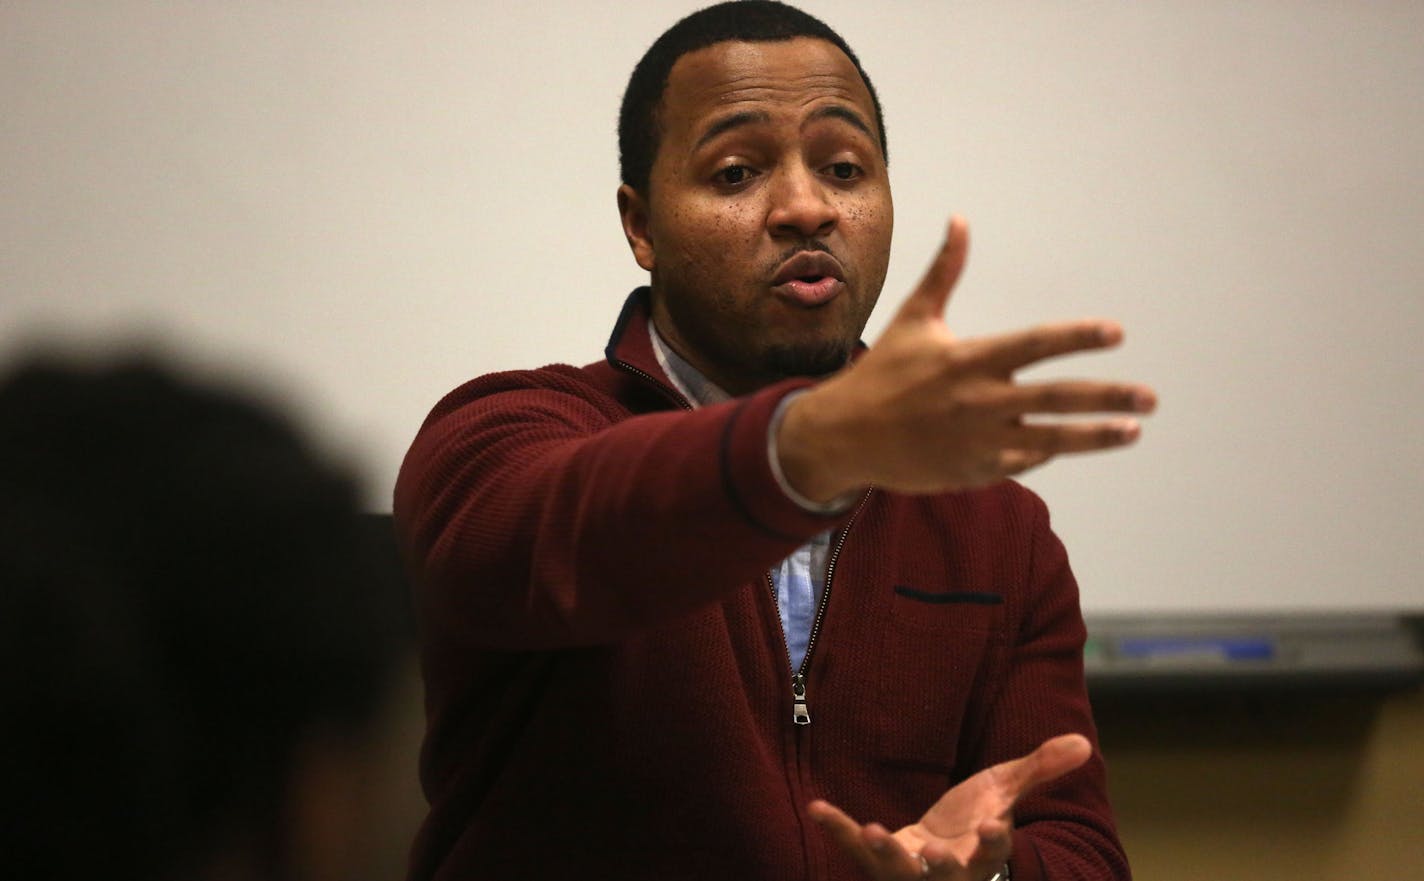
(633, 209)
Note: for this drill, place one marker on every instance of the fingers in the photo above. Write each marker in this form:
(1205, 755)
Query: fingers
(1025, 445)
(1051, 440)
(878, 853)
(1006, 353)
(843, 830)
(932, 295)
(1077, 396)
(889, 858)
(992, 850)
(1015, 462)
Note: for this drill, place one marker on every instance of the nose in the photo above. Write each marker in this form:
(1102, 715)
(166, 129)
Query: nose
(800, 205)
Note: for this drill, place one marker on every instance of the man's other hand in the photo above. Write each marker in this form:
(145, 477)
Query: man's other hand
(967, 834)
(925, 412)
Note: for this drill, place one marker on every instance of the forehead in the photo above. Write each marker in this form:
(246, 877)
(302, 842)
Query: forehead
(785, 76)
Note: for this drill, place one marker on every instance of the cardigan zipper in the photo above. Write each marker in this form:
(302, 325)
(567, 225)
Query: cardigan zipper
(800, 705)
(658, 384)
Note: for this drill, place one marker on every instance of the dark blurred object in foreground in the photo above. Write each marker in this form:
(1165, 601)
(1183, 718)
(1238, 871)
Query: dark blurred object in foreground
(194, 628)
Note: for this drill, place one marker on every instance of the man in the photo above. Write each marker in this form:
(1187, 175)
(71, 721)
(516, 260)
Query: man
(691, 610)
(196, 633)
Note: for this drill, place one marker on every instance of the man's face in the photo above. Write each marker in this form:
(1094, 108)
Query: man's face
(766, 225)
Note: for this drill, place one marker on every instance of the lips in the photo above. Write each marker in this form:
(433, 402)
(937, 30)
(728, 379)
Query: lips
(810, 278)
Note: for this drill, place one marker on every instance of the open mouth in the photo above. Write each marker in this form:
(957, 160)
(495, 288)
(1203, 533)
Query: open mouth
(809, 278)
(810, 290)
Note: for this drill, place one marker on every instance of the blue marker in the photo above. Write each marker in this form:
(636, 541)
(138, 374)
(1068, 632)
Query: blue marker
(1197, 648)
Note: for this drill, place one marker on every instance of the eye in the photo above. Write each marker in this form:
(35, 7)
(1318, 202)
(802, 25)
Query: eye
(734, 175)
(844, 170)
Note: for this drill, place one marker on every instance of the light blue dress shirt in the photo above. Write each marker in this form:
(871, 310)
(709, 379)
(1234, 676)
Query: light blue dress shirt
(800, 579)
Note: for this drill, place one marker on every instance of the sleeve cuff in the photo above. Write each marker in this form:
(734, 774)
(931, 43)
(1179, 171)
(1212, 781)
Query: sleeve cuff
(834, 506)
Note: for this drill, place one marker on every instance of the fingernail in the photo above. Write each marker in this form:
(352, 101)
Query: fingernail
(1143, 402)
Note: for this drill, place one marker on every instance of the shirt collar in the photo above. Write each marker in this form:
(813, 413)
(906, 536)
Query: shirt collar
(698, 389)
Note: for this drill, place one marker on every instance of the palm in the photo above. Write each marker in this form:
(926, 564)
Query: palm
(966, 833)
(955, 819)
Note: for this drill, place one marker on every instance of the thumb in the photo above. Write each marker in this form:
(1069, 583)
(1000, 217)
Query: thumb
(932, 294)
(1053, 758)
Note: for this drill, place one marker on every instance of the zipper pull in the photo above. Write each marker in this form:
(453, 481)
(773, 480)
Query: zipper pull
(800, 712)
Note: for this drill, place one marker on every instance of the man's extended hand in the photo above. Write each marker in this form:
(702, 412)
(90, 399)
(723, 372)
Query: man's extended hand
(966, 835)
(925, 412)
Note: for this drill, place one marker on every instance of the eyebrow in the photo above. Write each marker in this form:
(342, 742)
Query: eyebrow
(727, 123)
(750, 117)
(845, 114)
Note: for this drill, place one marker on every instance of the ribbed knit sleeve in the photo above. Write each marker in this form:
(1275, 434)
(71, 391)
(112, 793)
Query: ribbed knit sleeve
(538, 512)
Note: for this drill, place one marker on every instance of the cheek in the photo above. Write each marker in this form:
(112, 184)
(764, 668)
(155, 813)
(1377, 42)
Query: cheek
(874, 220)
(719, 242)
(871, 207)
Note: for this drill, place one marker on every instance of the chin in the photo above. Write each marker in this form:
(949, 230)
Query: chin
(806, 359)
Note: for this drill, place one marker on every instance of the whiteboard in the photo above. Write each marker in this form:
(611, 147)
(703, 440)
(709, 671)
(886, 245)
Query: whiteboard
(356, 206)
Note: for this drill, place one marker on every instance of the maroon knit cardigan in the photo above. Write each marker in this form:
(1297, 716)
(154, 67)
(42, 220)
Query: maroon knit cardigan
(608, 688)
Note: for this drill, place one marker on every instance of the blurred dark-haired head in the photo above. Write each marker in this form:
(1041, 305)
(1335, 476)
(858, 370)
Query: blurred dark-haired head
(188, 596)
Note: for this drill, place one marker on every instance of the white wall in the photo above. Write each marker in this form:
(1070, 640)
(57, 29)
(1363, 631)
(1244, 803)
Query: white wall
(374, 201)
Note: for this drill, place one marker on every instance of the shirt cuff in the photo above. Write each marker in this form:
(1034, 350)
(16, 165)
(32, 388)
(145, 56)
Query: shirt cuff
(834, 506)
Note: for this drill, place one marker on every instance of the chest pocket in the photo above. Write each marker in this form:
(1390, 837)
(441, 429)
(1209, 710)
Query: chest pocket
(935, 652)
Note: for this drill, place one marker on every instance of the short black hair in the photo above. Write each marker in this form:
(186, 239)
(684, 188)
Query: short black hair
(752, 21)
(187, 592)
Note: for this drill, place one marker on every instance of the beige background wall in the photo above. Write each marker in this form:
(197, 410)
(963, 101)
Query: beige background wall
(360, 204)
(363, 203)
